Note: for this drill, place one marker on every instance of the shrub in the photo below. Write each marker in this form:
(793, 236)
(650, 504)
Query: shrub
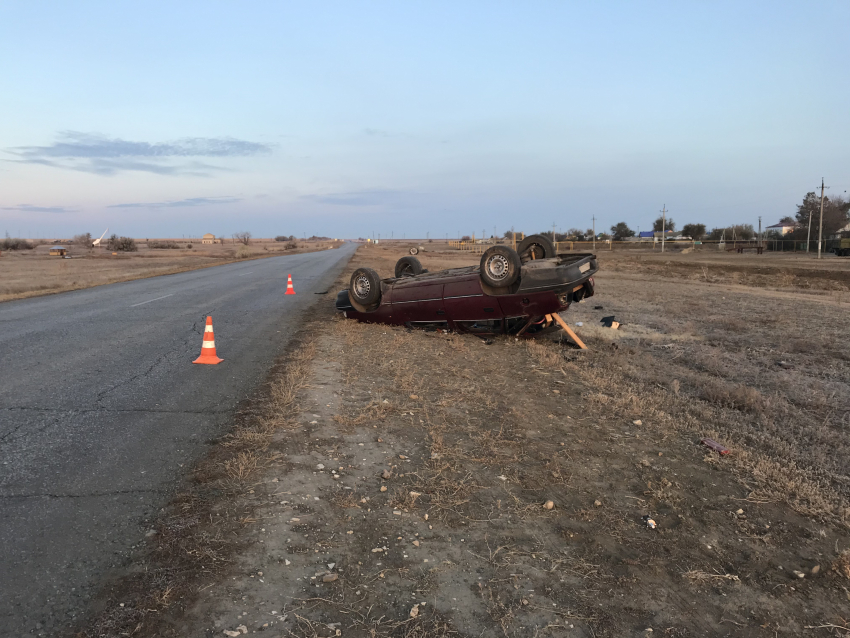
(14, 243)
(290, 245)
(162, 244)
(83, 240)
(189, 246)
(122, 244)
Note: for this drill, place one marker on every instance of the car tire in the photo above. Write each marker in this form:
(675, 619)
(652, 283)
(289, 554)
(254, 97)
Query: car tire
(536, 247)
(500, 266)
(364, 289)
(407, 267)
(414, 251)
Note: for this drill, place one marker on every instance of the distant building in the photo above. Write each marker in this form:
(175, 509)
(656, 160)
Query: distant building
(646, 235)
(58, 251)
(209, 238)
(782, 228)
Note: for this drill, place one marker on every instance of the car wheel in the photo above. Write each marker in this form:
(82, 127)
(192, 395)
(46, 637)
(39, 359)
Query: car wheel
(500, 266)
(365, 287)
(414, 251)
(407, 267)
(536, 247)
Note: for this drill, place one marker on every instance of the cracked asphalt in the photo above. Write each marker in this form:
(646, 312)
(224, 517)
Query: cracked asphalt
(102, 412)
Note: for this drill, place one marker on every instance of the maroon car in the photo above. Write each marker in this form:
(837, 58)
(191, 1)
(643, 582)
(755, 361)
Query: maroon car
(511, 292)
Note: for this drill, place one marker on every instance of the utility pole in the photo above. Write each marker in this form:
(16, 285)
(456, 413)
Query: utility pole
(820, 232)
(663, 225)
(594, 233)
(759, 244)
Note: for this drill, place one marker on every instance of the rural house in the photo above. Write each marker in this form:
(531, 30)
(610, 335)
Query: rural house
(209, 238)
(782, 228)
(58, 251)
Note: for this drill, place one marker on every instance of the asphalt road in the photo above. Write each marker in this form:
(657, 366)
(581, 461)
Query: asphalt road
(101, 410)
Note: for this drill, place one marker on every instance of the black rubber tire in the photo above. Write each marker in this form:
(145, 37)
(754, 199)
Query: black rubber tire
(414, 251)
(365, 288)
(407, 267)
(500, 266)
(536, 247)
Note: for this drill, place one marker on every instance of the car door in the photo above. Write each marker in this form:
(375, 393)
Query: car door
(467, 305)
(419, 302)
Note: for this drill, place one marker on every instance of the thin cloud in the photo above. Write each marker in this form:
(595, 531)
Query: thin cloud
(373, 197)
(181, 203)
(102, 155)
(26, 208)
(375, 132)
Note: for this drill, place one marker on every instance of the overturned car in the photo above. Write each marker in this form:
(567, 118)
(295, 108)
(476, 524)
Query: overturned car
(515, 292)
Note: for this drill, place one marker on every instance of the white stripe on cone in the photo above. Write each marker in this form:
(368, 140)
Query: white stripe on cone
(208, 344)
(208, 328)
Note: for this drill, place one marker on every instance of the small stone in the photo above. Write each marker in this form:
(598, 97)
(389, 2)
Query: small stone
(548, 505)
(739, 512)
(637, 422)
(402, 456)
(329, 578)
(350, 531)
(645, 463)
(383, 488)
(597, 503)
(286, 561)
(416, 544)
(397, 512)
(815, 569)
(799, 574)
(320, 466)
(243, 629)
(331, 565)
(425, 517)
(556, 392)
(414, 611)
(377, 549)
(232, 634)
(386, 474)
(414, 397)
(385, 401)
(525, 601)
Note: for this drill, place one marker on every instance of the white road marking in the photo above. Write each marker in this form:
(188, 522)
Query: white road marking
(244, 273)
(150, 300)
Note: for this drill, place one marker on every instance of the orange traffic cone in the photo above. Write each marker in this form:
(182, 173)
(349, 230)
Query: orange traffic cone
(289, 289)
(208, 354)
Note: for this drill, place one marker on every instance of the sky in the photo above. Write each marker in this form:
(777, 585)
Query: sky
(355, 119)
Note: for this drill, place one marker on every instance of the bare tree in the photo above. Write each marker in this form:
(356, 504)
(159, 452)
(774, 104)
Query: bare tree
(243, 237)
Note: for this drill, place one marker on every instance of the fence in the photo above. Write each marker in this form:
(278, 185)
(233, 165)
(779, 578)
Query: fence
(730, 245)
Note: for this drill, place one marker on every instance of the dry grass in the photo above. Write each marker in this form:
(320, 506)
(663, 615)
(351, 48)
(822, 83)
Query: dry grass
(33, 273)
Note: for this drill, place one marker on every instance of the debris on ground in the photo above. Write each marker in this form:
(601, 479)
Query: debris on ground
(714, 445)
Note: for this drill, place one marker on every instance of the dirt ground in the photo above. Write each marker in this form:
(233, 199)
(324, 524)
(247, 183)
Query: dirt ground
(29, 273)
(389, 482)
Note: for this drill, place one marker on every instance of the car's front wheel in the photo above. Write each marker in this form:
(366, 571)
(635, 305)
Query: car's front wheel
(500, 266)
(365, 288)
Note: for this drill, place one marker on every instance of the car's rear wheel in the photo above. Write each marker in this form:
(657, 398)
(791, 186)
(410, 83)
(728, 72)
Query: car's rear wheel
(536, 247)
(365, 288)
(408, 267)
(500, 266)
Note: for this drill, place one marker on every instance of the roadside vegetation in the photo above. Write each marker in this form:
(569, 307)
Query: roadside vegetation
(392, 482)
